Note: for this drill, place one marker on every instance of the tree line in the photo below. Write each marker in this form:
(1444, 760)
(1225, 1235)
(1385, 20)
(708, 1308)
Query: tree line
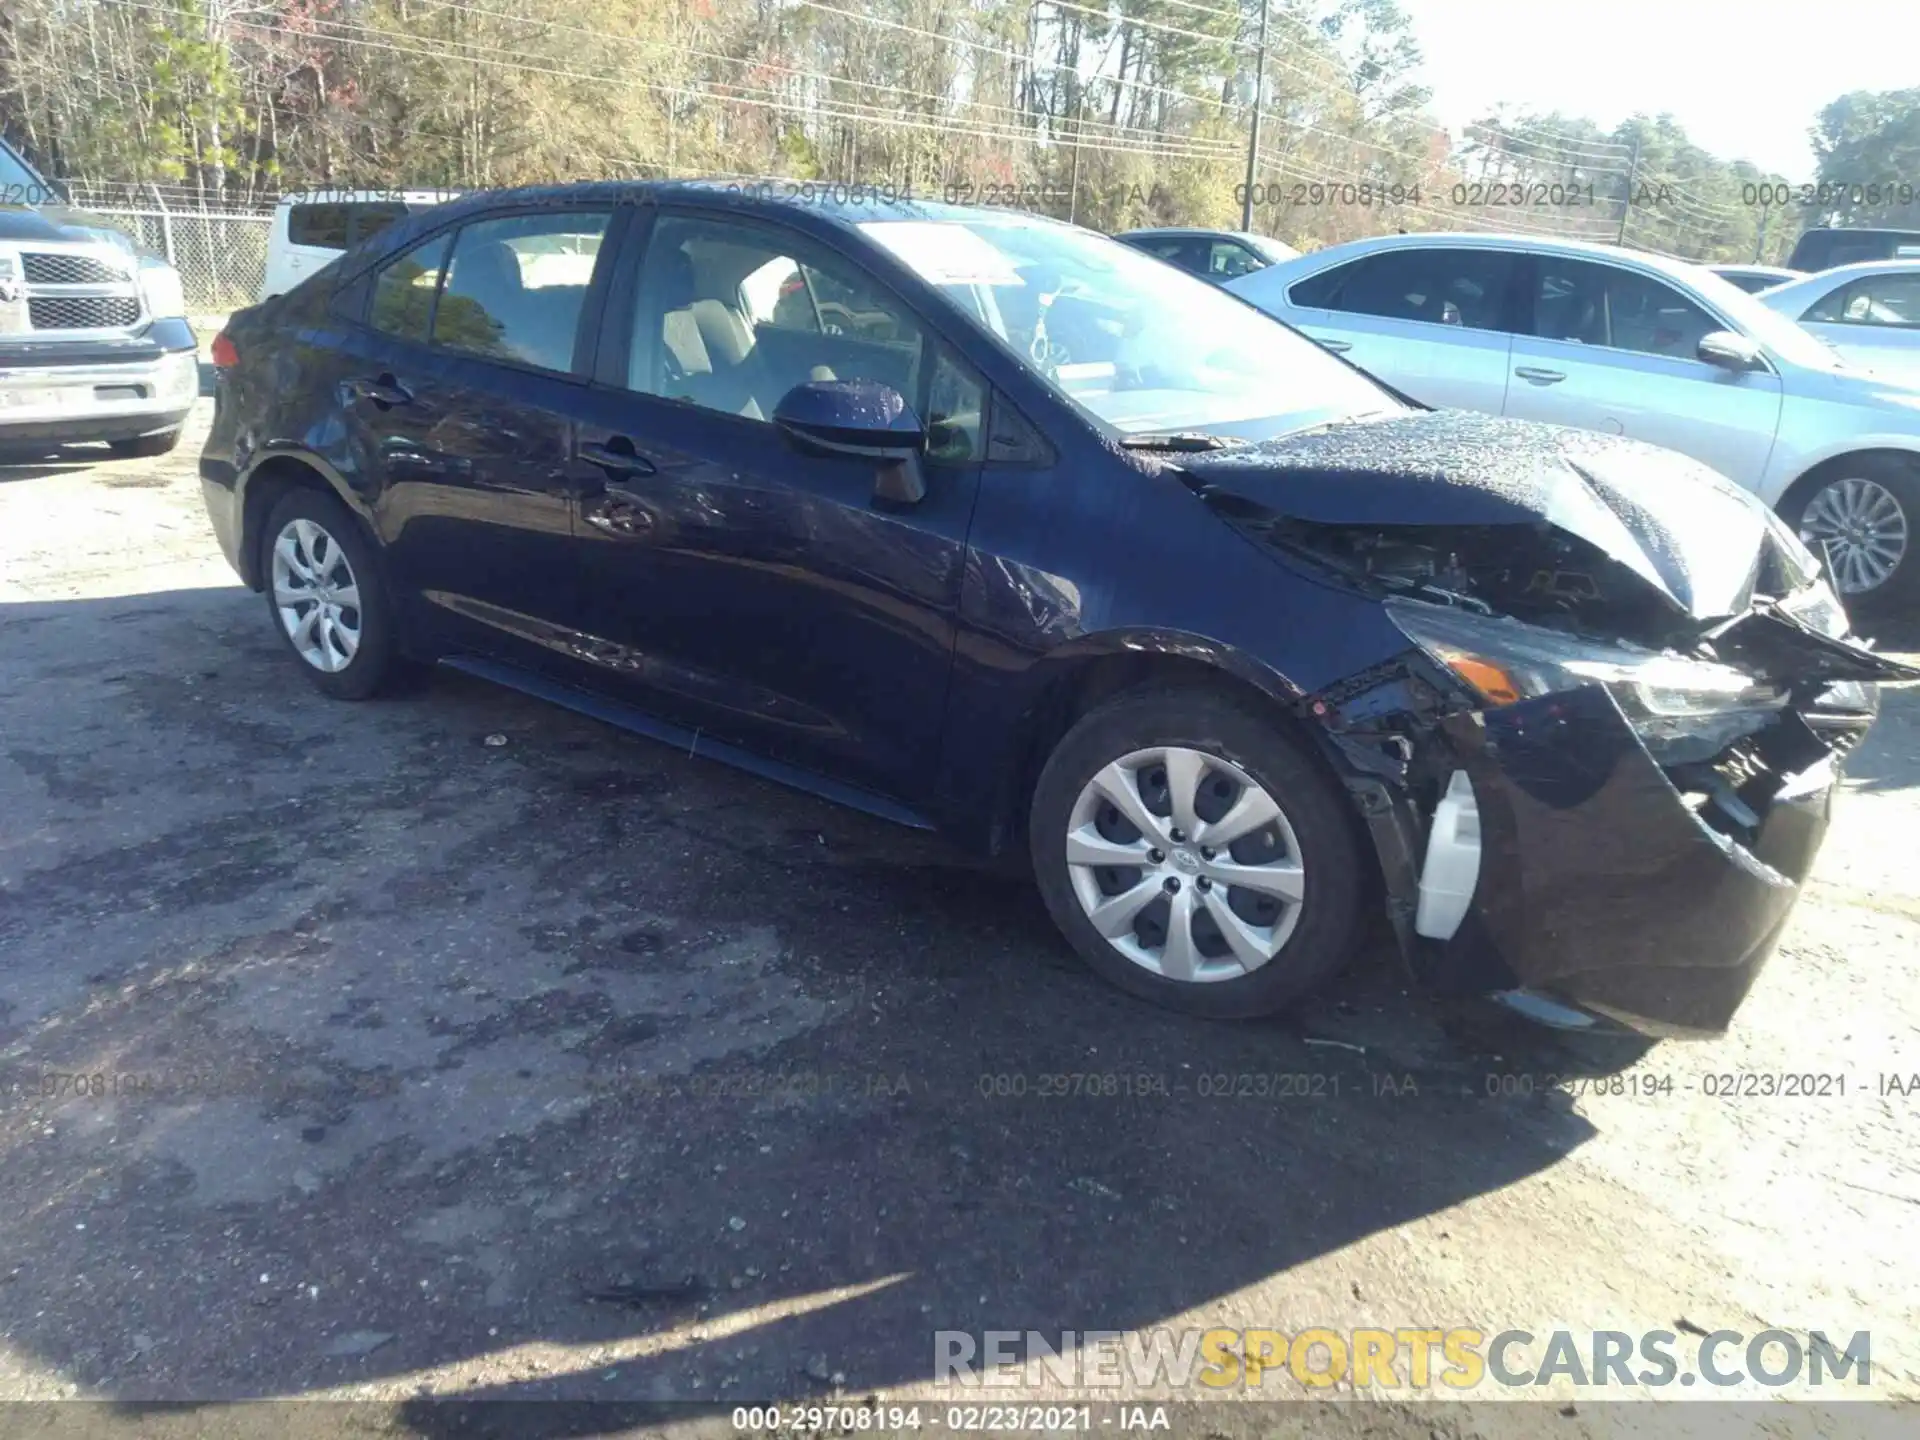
(1111, 112)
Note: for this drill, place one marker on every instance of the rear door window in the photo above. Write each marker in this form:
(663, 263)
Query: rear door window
(1439, 285)
(320, 227)
(1181, 250)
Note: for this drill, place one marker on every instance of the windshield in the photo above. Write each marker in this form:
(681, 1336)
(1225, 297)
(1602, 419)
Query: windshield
(1769, 327)
(1134, 343)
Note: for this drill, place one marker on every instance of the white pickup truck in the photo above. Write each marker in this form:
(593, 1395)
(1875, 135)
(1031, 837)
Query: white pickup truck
(94, 341)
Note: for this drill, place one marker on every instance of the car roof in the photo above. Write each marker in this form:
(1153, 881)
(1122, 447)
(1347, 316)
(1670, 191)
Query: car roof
(1873, 230)
(1822, 281)
(1193, 230)
(847, 204)
(1869, 267)
(1756, 270)
(1682, 270)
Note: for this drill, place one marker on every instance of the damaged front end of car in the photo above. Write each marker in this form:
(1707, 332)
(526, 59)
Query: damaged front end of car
(1601, 769)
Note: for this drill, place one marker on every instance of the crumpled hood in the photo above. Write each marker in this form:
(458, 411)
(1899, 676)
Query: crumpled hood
(1689, 532)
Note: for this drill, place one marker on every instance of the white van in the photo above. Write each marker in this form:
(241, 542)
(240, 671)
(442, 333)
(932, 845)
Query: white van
(311, 229)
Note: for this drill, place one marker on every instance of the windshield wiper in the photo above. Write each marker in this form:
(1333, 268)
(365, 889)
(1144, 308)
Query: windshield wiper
(1181, 440)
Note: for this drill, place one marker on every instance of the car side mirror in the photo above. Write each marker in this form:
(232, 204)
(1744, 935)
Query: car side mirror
(1729, 351)
(862, 419)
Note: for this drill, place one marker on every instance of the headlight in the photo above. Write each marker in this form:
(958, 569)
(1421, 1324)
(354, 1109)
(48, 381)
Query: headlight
(1819, 609)
(1683, 710)
(182, 375)
(160, 287)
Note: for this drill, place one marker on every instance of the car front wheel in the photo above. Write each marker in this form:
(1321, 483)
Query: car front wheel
(1195, 855)
(1865, 515)
(326, 594)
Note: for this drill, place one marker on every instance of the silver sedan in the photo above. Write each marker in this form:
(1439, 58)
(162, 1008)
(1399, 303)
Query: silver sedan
(1616, 340)
(1870, 313)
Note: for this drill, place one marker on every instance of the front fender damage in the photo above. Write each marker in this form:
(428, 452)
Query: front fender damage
(1532, 839)
(1647, 896)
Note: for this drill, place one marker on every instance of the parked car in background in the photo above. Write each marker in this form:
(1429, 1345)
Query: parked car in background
(1630, 344)
(1755, 278)
(94, 342)
(1216, 255)
(1827, 246)
(314, 228)
(979, 521)
(1870, 313)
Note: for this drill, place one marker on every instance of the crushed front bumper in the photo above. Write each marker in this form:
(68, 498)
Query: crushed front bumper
(1601, 883)
(74, 399)
(1603, 886)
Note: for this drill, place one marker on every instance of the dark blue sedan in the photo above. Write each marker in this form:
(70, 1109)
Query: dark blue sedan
(982, 522)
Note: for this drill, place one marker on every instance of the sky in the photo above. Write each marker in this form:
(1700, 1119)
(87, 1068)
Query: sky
(1746, 80)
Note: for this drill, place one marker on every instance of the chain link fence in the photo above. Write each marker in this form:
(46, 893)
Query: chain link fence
(221, 256)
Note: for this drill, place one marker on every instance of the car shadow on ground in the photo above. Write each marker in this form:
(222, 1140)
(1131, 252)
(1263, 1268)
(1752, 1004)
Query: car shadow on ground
(459, 1031)
(38, 462)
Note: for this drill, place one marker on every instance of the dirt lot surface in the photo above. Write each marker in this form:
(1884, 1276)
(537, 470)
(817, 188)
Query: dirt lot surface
(454, 1045)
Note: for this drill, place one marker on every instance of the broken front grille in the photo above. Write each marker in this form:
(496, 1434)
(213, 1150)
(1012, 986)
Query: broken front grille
(43, 267)
(82, 312)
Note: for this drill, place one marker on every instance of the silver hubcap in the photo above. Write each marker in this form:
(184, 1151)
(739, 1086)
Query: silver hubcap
(315, 592)
(1185, 864)
(1864, 530)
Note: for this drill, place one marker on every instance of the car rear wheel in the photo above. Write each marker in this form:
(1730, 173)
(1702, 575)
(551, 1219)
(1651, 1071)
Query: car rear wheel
(1194, 855)
(1866, 513)
(327, 599)
(145, 445)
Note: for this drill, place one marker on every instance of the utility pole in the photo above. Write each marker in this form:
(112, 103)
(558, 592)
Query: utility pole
(1253, 138)
(1626, 203)
(1760, 239)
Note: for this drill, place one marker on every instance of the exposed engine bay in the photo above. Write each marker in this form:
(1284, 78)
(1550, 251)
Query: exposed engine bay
(1531, 572)
(1792, 635)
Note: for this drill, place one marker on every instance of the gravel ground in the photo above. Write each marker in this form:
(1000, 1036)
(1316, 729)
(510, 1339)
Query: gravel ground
(419, 1024)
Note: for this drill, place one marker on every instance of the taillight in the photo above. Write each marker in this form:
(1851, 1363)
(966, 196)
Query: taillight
(225, 354)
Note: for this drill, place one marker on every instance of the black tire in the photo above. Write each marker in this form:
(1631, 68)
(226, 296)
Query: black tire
(1320, 815)
(376, 664)
(144, 446)
(1901, 479)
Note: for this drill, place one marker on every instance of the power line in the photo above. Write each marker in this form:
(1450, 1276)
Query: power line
(350, 33)
(1139, 24)
(1559, 144)
(751, 63)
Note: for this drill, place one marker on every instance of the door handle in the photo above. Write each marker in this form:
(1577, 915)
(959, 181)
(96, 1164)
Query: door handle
(386, 392)
(617, 459)
(1338, 347)
(1535, 375)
